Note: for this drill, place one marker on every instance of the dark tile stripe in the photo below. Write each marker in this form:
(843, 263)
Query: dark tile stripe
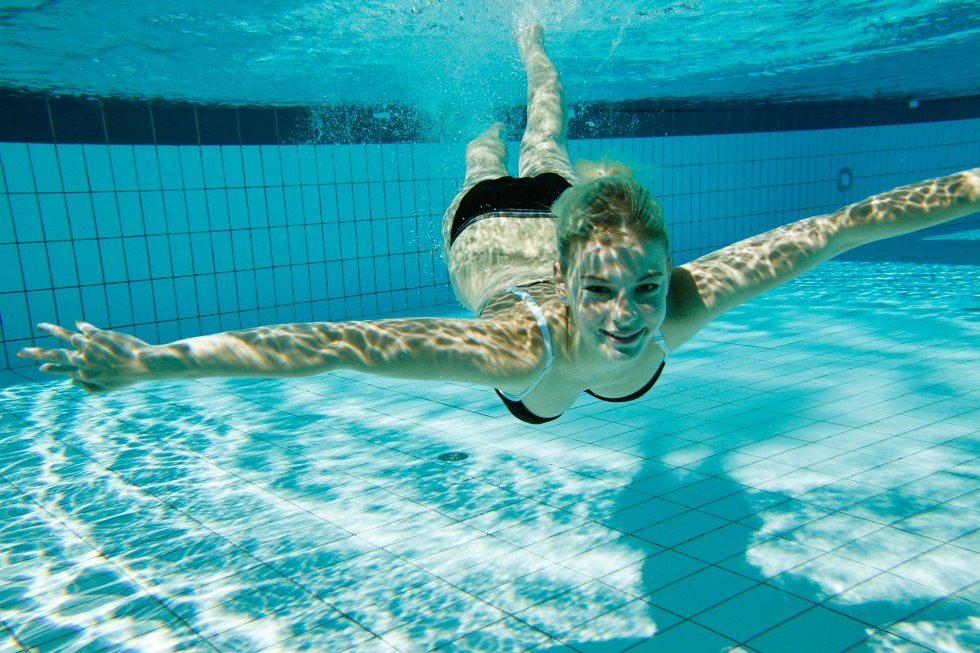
(26, 117)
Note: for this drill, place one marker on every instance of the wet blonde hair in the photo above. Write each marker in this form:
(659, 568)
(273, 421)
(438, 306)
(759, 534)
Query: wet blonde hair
(608, 200)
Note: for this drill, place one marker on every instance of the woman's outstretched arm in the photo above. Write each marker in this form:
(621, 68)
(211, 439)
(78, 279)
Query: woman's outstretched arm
(705, 288)
(496, 353)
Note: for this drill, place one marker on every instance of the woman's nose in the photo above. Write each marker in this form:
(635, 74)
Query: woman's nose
(624, 309)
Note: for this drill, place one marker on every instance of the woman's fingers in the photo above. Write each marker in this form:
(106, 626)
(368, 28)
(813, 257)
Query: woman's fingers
(59, 332)
(86, 328)
(39, 354)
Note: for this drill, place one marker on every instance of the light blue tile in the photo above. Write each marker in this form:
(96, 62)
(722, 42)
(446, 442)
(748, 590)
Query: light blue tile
(11, 275)
(261, 248)
(352, 158)
(68, 304)
(325, 164)
(700, 591)
(16, 322)
(147, 167)
(175, 210)
(6, 221)
(61, 254)
(94, 303)
(74, 175)
(353, 282)
(365, 276)
(275, 205)
(279, 243)
(137, 261)
(186, 292)
(233, 165)
(143, 308)
(293, 203)
(130, 214)
(106, 211)
(180, 244)
(202, 253)
(17, 169)
(345, 202)
(722, 544)
(834, 632)
(252, 162)
(47, 172)
(217, 202)
(266, 290)
(120, 304)
(222, 251)
(289, 159)
(684, 638)
(271, 165)
(335, 281)
(123, 167)
(113, 260)
(227, 293)
(190, 167)
(168, 158)
(283, 280)
(312, 236)
(301, 283)
(165, 301)
(90, 268)
(154, 216)
(741, 618)
(238, 208)
(35, 266)
(364, 239)
(213, 166)
(27, 218)
(246, 290)
(296, 236)
(681, 528)
(197, 211)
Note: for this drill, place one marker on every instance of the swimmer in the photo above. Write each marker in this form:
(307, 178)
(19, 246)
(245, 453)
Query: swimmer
(566, 268)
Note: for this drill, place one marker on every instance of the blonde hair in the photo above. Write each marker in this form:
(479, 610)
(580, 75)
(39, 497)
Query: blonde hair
(610, 200)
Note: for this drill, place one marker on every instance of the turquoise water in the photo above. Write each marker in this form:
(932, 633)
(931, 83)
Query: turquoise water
(801, 480)
(804, 477)
(459, 54)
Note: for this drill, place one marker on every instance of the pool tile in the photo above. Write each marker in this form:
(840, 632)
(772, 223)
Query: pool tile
(685, 638)
(752, 612)
(818, 630)
(699, 591)
(884, 600)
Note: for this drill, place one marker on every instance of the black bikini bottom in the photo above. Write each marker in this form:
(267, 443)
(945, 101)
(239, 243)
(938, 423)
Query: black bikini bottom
(533, 195)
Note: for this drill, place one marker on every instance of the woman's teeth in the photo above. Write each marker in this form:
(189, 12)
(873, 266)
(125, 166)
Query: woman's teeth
(623, 338)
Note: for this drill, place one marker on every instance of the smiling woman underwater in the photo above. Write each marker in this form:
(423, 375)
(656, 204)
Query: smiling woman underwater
(566, 268)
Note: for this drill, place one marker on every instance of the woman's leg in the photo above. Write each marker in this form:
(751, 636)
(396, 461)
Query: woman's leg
(486, 158)
(543, 147)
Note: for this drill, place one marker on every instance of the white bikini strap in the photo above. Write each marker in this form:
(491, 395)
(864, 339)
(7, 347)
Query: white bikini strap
(545, 334)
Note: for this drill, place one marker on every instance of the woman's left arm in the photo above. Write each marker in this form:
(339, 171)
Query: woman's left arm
(705, 288)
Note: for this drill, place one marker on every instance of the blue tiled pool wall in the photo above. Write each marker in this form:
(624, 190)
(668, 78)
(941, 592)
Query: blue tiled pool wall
(171, 241)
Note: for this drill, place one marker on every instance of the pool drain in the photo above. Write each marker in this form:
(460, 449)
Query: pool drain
(453, 456)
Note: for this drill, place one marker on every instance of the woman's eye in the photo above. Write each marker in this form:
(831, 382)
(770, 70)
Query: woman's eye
(648, 287)
(596, 289)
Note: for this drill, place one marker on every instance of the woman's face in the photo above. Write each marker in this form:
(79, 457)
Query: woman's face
(616, 287)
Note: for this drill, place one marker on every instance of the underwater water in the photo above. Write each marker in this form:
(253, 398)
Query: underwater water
(801, 480)
(804, 476)
(441, 53)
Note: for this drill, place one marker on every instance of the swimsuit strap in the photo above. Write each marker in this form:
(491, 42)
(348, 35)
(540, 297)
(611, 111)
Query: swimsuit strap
(549, 351)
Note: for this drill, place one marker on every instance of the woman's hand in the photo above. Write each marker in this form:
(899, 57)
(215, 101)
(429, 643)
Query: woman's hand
(97, 361)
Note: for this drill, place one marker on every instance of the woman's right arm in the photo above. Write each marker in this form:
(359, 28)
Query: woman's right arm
(486, 352)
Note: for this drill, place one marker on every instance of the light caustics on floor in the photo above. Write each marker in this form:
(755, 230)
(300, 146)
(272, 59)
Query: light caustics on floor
(804, 477)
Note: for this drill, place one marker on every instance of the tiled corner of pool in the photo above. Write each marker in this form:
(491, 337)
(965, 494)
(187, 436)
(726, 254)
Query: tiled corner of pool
(799, 480)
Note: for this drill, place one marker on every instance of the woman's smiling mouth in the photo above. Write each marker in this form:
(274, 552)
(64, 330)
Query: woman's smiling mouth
(623, 338)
